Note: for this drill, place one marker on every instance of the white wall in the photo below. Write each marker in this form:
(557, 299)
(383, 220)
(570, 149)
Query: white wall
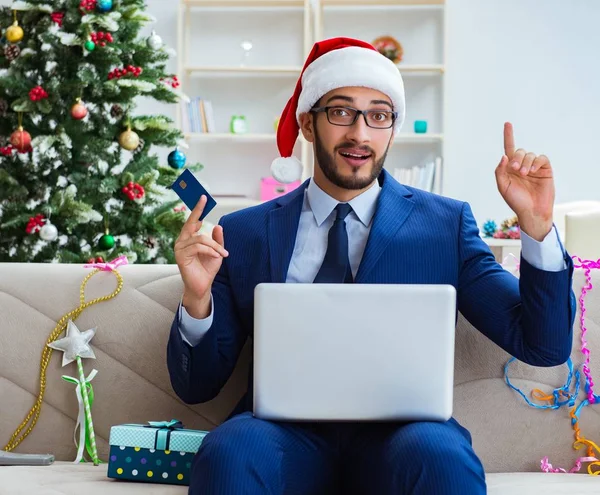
(531, 62)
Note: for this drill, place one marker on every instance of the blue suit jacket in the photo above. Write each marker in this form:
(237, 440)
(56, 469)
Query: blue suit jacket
(416, 238)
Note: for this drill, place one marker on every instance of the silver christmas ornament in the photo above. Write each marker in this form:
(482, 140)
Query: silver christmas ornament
(49, 232)
(154, 41)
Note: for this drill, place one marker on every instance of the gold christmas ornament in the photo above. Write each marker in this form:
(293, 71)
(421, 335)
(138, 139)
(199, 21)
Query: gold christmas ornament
(129, 140)
(510, 222)
(14, 33)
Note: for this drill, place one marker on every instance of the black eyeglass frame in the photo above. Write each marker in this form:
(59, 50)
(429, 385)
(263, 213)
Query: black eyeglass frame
(358, 112)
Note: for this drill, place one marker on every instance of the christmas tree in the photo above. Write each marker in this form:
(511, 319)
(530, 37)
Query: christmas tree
(78, 180)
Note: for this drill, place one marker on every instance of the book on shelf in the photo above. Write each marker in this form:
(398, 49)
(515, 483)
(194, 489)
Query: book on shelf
(427, 177)
(198, 116)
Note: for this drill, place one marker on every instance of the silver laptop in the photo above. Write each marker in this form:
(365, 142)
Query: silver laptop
(354, 352)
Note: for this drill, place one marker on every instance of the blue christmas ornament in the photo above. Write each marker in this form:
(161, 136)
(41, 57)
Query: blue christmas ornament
(489, 228)
(177, 159)
(104, 5)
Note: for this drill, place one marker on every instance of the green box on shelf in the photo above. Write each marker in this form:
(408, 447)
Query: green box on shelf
(158, 452)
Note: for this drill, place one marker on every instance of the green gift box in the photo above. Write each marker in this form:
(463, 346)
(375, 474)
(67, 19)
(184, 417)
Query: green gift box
(159, 452)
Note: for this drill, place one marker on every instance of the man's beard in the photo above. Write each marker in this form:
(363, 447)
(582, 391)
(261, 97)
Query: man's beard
(353, 182)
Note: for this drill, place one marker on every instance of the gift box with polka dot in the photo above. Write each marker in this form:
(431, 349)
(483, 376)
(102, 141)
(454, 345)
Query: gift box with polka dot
(149, 465)
(134, 455)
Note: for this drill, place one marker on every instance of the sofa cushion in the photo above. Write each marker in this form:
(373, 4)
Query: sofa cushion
(133, 385)
(64, 478)
(537, 483)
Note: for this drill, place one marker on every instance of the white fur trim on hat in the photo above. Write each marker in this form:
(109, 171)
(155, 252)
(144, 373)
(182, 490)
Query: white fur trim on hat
(352, 66)
(286, 170)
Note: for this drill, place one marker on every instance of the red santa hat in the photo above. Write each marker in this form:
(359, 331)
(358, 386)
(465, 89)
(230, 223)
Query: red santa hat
(334, 63)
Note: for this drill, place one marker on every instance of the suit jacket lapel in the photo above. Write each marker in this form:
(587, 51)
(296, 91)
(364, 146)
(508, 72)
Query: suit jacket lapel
(393, 208)
(282, 230)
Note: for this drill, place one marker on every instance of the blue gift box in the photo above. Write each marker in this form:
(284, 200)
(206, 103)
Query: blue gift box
(159, 452)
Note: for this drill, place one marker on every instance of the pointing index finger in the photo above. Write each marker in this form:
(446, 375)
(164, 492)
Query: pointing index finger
(509, 140)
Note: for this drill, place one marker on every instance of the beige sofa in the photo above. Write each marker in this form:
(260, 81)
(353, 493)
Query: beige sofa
(132, 384)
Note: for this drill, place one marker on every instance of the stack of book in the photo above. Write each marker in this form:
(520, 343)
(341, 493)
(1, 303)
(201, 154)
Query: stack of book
(427, 177)
(198, 116)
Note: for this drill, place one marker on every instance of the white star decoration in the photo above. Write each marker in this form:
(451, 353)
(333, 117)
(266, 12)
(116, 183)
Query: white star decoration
(75, 344)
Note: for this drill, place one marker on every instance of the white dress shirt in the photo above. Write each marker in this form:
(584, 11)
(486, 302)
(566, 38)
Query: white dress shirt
(316, 219)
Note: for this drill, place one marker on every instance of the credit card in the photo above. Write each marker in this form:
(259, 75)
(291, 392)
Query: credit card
(189, 189)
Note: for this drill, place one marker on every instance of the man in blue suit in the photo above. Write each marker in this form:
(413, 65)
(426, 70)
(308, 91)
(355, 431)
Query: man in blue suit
(354, 223)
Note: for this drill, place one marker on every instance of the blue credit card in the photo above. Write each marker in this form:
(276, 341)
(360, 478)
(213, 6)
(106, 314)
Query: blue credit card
(190, 190)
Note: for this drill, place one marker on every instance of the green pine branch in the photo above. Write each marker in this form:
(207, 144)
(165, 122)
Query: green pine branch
(77, 170)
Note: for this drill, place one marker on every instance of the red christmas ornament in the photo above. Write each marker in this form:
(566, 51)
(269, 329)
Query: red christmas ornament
(133, 191)
(58, 17)
(130, 69)
(97, 259)
(79, 111)
(173, 82)
(6, 150)
(21, 140)
(35, 224)
(88, 5)
(38, 93)
(101, 38)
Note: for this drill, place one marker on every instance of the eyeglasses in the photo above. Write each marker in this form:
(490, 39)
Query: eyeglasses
(346, 116)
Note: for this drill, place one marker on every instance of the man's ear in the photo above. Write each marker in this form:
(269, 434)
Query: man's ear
(307, 126)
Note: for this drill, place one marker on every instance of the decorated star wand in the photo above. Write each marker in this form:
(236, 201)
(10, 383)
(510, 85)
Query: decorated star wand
(75, 346)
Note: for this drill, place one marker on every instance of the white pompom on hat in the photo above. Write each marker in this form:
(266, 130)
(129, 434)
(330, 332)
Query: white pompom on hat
(332, 64)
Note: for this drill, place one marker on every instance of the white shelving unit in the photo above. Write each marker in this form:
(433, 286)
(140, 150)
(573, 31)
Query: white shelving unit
(420, 27)
(211, 66)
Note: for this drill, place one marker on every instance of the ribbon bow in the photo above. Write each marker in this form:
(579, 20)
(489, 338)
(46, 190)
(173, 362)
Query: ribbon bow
(162, 439)
(111, 265)
(171, 425)
(82, 423)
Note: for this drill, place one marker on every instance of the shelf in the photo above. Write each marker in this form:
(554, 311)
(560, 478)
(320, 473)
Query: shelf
(245, 3)
(294, 71)
(491, 241)
(423, 68)
(409, 137)
(237, 70)
(218, 136)
(271, 138)
(373, 3)
(235, 202)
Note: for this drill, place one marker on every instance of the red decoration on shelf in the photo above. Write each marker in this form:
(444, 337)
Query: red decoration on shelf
(58, 17)
(38, 93)
(173, 82)
(513, 233)
(35, 224)
(97, 259)
(6, 150)
(133, 191)
(101, 38)
(88, 5)
(130, 69)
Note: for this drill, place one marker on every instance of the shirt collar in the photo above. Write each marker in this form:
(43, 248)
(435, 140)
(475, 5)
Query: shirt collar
(322, 204)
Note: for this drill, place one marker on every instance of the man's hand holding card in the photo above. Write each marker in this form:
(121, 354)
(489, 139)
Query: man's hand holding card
(198, 257)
